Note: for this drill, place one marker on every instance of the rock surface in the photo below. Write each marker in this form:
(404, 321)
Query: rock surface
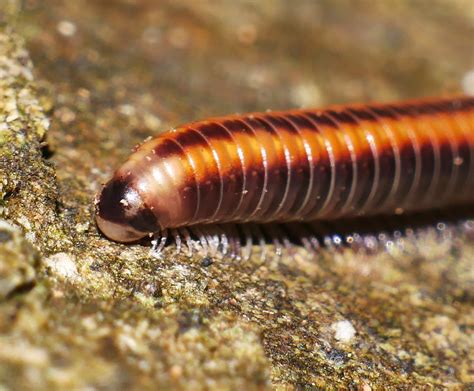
(80, 312)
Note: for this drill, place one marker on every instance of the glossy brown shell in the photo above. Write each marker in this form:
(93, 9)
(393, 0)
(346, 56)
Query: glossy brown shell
(341, 161)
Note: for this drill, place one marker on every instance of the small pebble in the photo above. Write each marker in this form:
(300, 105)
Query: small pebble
(344, 331)
(63, 265)
(66, 28)
(207, 261)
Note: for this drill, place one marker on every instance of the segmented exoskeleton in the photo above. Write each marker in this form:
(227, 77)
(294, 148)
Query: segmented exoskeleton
(295, 166)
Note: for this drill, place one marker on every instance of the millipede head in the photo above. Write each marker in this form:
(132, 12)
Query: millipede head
(121, 214)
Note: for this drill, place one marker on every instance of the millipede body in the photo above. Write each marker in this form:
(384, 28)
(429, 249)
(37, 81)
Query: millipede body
(296, 165)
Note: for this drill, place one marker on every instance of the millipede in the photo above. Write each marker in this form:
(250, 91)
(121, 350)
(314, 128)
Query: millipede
(246, 175)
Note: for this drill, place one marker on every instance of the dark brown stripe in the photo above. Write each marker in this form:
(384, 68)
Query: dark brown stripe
(383, 112)
(189, 139)
(165, 148)
(320, 119)
(301, 122)
(430, 107)
(362, 115)
(279, 122)
(342, 117)
(214, 130)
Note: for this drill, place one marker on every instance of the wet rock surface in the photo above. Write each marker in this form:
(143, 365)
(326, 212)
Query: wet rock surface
(78, 311)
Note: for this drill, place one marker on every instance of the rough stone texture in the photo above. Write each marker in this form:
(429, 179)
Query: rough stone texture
(92, 314)
(28, 189)
(17, 261)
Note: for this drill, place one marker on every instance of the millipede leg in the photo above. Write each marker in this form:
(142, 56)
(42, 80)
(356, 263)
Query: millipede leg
(276, 239)
(467, 228)
(177, 240)
(158, 243)
(212, 240)
(234, 240)
(202, 241)
(223, 242)
(247, 249)
(188, 240)
(287, 243)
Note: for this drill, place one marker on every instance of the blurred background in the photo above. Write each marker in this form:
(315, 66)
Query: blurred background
(188, 59)
(121, 70)
(93, 314)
